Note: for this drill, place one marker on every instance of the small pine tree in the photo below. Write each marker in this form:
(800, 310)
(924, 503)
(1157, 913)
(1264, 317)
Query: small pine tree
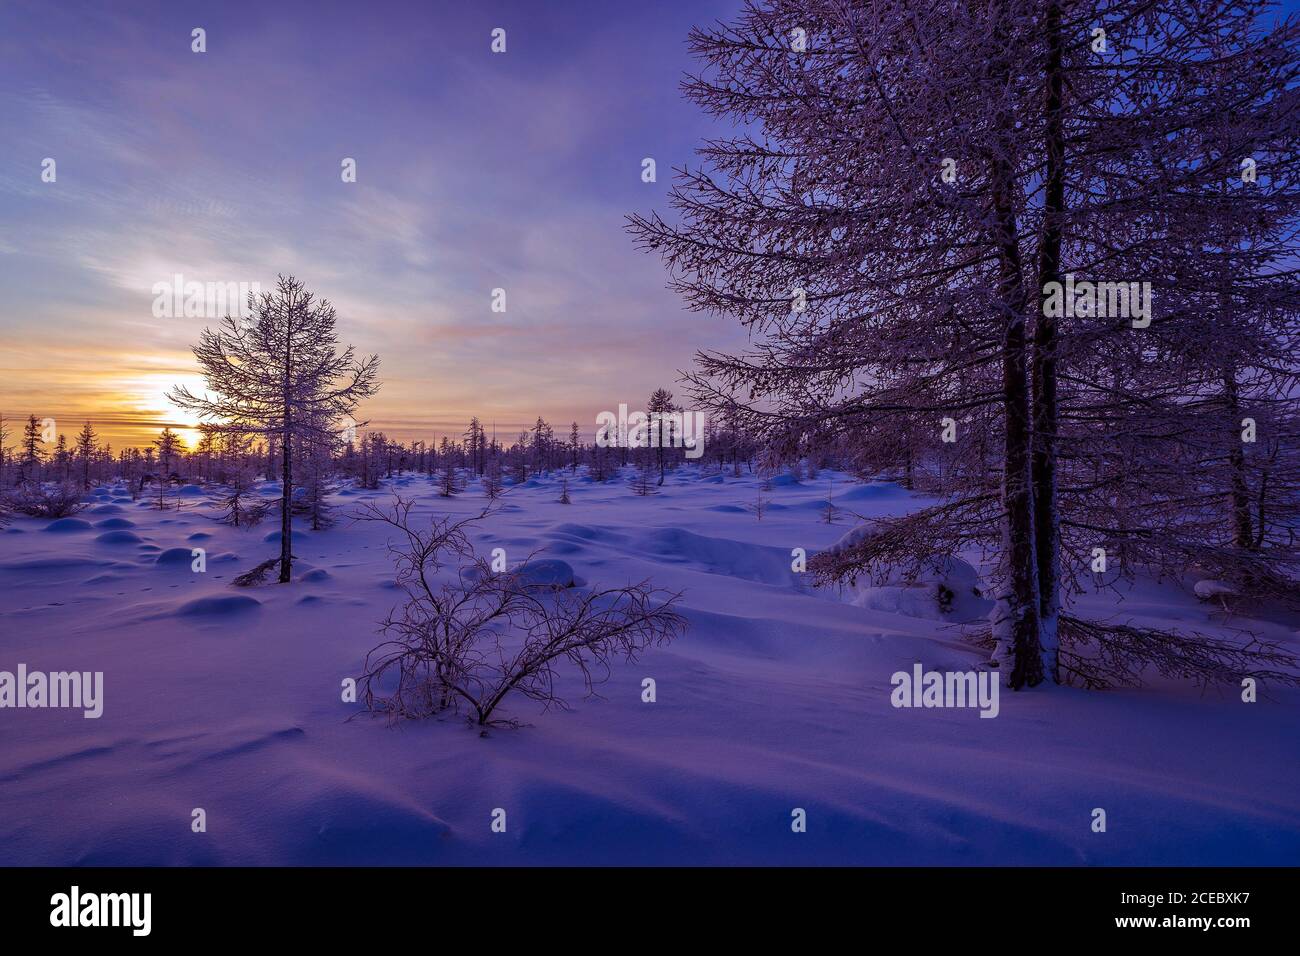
(30, 463)
(161, 503)
(492, 481)
(242, 506)
(168, 444)
(564, 491)
(317, 467)
(644, 482)
(449, 482)
(85, 452)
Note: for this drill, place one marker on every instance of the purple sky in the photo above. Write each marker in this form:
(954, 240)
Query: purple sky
(475, 170)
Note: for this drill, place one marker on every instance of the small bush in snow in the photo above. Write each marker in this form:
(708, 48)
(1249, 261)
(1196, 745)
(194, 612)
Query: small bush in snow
(56, 501)
(470, 642)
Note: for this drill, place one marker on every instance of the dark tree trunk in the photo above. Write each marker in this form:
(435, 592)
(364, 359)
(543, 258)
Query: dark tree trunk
(286, 474)
(1047, 529)
(1242, 531)
(1021, 586)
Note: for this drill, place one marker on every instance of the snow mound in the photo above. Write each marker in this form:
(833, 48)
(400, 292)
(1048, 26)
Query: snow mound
(944, 588)
(175, 556)
(873, 492)
(112, 524)
(587, 533)
(1210, 589)
(546, 573)
(737, 559)
(221, 605)
(118, 537)
(105, 510)
(65, 525)
(50, 564)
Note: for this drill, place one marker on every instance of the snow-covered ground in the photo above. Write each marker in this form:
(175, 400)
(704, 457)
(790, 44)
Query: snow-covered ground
(776, 698)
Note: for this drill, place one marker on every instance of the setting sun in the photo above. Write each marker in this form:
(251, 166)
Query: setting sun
(147, 395)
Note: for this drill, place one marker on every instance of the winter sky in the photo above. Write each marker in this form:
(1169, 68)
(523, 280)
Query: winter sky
(475, 171)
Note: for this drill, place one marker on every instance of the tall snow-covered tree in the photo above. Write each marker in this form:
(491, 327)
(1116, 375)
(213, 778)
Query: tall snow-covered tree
(912, 179)
(278, 372)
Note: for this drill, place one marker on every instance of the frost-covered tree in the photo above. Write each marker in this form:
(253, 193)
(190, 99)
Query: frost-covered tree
(278, 372)
(240, 505)
(4, 449)
(449, 483)
(659, 407)
(492, 485)
(86, 452)
(30, 463)
(315, 456)
(643, 483)
(475, 440)
(911, 182)
(168, 444)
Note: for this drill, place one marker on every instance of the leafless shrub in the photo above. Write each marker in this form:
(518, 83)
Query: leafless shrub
(471, 642)
(56, 501)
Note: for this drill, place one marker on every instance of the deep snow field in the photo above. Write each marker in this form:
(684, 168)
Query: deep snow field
(776, 698)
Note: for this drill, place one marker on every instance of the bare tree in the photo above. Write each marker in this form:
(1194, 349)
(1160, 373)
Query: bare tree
(278, 373)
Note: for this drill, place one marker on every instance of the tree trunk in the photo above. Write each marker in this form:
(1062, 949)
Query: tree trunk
(1047, 529)
(286, 473)
(1016, 617)
(1242, 531)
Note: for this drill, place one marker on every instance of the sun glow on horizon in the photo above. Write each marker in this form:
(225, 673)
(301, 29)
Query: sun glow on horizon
(147, 394)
